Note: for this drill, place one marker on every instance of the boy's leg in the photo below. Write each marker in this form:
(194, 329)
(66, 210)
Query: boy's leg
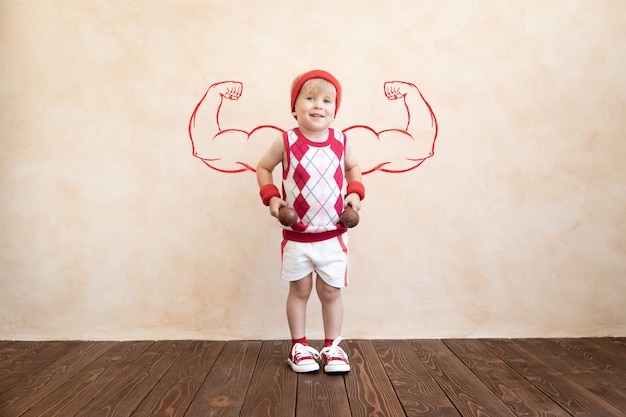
(299, 292)
(302, 358)
(334, 357)
(332, 308)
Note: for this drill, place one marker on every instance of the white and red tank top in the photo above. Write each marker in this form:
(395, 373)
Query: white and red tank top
(313, 184)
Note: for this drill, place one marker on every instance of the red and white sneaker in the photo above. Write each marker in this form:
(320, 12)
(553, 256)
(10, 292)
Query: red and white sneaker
(303, 358)
(335, 359)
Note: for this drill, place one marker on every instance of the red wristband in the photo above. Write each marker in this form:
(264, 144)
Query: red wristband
(267, 192)
(356, 187)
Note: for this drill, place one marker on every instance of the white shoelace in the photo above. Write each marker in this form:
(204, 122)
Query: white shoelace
(299, 350)
(334, 351)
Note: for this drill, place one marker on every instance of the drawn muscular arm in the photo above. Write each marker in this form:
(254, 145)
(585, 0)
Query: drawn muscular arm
(405, 146)
(224, 149)
(419, 115)
(211, 103)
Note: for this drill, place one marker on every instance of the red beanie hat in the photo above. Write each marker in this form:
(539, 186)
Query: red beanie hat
(310, 75)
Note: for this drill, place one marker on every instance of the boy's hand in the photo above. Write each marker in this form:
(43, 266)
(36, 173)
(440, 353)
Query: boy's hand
(353, 200)
(275, 204)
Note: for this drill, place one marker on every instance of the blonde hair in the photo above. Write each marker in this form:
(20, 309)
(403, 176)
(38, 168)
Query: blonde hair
(315, 85)
(316, 81)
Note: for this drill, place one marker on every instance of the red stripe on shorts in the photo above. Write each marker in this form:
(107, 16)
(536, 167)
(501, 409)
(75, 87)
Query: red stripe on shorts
(345, 251)
(282, 254)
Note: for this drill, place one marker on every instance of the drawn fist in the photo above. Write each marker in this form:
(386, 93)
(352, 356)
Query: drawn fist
(396, 89)
(230, 90)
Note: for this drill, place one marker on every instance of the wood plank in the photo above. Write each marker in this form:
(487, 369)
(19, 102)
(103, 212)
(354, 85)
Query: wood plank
(12, 355)
(37, 386)
(176, 389)
(10, 351)
(124, 394)
(272, 390)
(606, 356)
(418, 392)
(570, 395)
(369, 390)
(223, 391)
(465, 390)
(75, 393)
(605, 343)
(523, 398)
(321, 395)
(31, 361)
(619, 341)
(585, 372)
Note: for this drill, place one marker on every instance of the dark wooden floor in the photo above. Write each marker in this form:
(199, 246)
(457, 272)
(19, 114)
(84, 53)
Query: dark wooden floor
(389, 378)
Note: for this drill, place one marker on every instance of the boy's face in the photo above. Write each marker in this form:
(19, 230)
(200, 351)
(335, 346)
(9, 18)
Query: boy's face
(315, 108)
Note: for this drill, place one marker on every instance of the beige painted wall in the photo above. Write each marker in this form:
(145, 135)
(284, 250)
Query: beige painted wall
(111, 229)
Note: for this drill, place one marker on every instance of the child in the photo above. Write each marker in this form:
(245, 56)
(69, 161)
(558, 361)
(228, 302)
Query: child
(318, 168)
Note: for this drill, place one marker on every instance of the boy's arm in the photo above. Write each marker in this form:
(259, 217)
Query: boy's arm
(353, 173)
(264, 169)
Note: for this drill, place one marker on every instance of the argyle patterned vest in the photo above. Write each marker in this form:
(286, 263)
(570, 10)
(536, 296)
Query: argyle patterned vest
(314, 179)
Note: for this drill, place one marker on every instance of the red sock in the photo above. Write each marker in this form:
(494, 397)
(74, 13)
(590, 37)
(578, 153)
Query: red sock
(328, 342)
(302, 341)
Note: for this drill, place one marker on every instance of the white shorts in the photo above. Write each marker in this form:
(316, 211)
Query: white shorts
(328, 258)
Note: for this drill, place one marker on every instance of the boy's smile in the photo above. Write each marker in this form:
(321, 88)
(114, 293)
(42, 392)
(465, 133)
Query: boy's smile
(315, 112)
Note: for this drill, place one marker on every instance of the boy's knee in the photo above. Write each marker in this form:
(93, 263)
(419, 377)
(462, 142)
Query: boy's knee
(301, 288)
(302, 293)
(327, 292)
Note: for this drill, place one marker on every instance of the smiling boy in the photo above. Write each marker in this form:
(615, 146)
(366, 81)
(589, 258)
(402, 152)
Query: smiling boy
(320, 177)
